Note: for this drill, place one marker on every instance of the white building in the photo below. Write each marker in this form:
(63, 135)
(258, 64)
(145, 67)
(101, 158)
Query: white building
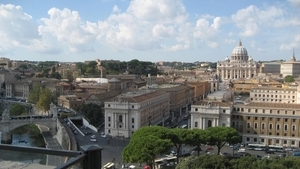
(239, 66)
(291, 67)
(128, 112)
(212, 112)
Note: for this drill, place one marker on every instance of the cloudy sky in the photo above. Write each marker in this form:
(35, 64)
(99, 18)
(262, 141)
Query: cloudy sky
(148, 30)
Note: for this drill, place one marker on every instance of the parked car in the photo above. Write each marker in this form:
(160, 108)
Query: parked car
(296, 154)
(270, 152)
(93, 139)
(282, 155)
(185, 154)
(209, 148)
(197, 149)
(93, 136)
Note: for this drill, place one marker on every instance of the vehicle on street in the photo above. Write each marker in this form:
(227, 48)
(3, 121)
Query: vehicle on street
(197, 149)
(93, 140)
(257, 147)
(103, 135)
(296, 154)
(87, 133)
(93, 136)
(209, 148)
(241, 150)
(184, 126)
(282, 155)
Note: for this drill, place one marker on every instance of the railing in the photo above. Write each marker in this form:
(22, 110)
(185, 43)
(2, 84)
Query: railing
(90, 156)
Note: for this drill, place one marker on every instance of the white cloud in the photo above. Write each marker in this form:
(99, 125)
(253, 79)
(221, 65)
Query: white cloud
(17, 29)
(295, 2)
(206, 32)
(116, 9)
(251, 18)
(295, 43)
(159, 11)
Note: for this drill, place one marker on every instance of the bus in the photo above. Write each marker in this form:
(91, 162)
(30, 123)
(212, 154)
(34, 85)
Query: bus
(276, 148)
(257, 147)
(166, 161)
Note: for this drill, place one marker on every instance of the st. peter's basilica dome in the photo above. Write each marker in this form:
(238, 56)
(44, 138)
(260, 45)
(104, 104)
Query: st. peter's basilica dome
(239, 53)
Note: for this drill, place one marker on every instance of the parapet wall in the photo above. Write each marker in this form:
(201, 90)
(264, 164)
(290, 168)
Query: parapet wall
(62, 136)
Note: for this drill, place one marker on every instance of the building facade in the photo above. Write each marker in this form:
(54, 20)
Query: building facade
(207, 113)
(291, 67)
(239, 66)
(128, 112)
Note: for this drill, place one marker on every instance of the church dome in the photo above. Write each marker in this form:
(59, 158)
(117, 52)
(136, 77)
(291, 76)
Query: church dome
(226, 59)
(239, 53)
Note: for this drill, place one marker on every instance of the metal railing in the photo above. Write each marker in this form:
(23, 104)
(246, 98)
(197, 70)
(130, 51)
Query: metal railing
(90, 155)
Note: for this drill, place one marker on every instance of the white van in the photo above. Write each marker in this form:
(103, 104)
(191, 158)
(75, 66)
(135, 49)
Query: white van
(241, 150)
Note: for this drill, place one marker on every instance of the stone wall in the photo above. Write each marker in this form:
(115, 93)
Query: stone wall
(63, 136)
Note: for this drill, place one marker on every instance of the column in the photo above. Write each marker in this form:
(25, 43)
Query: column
(217, 121)
(231, 74)
(200, 123)
(234, 73)
(226, 74)
(249, 73)
(204, 127)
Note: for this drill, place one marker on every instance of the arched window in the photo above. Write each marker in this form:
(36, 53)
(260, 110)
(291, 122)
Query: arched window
(120, 118)
(209, 123)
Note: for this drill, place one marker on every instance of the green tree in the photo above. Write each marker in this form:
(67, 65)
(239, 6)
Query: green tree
(145, 149)
(196, 138)
(45, 99)
(34, 94)
(220, 135)
(178, 137)
(205, 162)
(93, 112)
(289, 79)
(17, 109)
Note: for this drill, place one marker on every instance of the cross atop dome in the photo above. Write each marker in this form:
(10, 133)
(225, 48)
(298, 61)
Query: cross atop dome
(240, 43)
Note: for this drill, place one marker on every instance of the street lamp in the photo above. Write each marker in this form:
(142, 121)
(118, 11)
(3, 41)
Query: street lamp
(163, 123)
(149, 119)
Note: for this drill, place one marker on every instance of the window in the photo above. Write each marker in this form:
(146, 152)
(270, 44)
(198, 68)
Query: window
(255, 110)
(196, 109)
(262, 140)
(249, 110)
(255, 139)
(271, 118)
(278, 111)
(285, 112)
(285, 120)
(293, 112)
(109, 119)
(262, 118)
(263, 111)
(285, 127)
(263, 126)
(224, 111)
(294, 120)
(277, 127)
(255, 125)
(293, 142)
(284, 142)
(278, 119)
(293, 127)
(108, 105)
(270, 126)
(248, 117)
(132, 126)
(108, 124)
(270, 111)
(248, 125)
(120, 118)
(255, 118)
(196, 124)
(108, 131)
(233, 124)
(132, 120)
(132, 106)
(248, 139)
(277, 141)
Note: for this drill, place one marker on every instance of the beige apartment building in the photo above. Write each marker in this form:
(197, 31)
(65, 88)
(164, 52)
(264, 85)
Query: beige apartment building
(128, 112)
(274, 95)
(268, 123)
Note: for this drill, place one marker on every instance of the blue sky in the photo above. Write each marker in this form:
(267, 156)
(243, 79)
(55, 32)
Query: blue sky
(148, 30)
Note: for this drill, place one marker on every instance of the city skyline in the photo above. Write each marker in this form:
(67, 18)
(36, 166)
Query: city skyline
(149, 30)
